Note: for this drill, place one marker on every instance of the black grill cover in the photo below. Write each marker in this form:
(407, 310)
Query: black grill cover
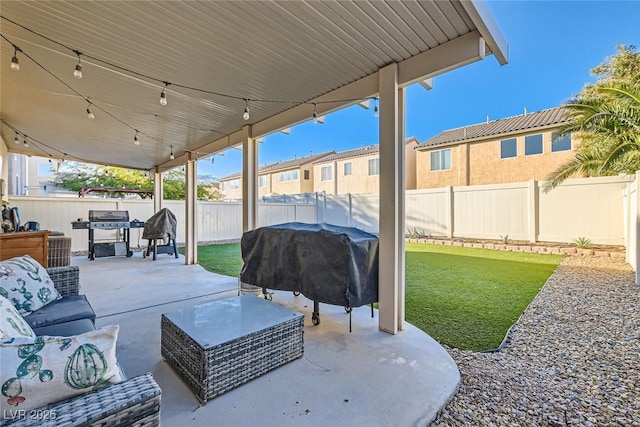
(162, 224)
(326, 263)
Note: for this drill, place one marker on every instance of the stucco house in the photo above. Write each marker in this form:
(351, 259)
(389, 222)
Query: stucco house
(513, 149)
(293, 176)
(358, 171)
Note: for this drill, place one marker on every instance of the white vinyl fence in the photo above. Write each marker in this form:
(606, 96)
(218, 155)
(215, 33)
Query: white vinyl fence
(603, 210)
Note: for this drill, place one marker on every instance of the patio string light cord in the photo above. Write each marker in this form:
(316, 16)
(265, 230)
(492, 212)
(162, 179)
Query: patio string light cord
(163, 94)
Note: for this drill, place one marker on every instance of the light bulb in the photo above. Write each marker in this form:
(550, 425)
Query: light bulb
(15, 65)
(26, 144)
(16, 139)
(246, 110)
(163, 98)
(314, 116)
(171, 156)
(136, 141)
(90, 114)
(376, 112)
(78, 72)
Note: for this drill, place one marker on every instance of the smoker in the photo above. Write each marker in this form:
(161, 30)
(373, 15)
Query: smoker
(161, 226)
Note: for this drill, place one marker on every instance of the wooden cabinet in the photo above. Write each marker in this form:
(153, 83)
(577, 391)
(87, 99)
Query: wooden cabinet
(32, 243)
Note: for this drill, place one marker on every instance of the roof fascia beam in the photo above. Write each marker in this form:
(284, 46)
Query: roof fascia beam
(445, 57)
(486, 25)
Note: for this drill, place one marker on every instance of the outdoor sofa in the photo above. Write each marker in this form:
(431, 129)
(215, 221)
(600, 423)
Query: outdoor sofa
(133, 401)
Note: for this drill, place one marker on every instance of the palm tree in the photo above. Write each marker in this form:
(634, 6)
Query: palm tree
(609, 126)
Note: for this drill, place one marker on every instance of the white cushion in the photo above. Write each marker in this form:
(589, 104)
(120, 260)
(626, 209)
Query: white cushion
(12, 325)
(37, 371)
(26, 283)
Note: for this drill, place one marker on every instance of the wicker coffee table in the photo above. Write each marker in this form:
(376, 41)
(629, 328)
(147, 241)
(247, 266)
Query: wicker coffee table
(217, 346)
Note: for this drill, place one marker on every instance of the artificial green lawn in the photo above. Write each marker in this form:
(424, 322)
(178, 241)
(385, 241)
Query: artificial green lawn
(222, 259)
(468, 298)
(463, 297)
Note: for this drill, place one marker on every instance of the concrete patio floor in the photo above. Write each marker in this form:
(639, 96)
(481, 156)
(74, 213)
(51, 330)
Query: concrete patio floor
(362, 378)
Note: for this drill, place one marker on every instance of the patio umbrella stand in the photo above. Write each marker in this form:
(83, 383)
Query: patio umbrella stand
(326, 263)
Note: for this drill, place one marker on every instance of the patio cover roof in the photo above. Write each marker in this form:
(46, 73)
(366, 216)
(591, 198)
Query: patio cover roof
(281, 56)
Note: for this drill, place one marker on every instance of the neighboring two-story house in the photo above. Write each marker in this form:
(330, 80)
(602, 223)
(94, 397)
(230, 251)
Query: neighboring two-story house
(514, 149)
(358, 171)
(293, 176)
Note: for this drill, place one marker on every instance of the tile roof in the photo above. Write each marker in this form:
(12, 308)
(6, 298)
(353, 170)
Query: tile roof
(549, 117)
(287, 164)
(362, 151)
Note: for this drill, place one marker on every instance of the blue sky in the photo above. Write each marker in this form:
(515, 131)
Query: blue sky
(553, 45)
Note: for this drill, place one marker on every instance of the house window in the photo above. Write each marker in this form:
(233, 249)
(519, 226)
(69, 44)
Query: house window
(234, 184)
(374, 166)
(347, 168)
(281, 176)
(326, 173)
(441, 160)
(306, 174)
(262, 181)
(560, 143)
(508, 148)
(294, 175)
(533, 144)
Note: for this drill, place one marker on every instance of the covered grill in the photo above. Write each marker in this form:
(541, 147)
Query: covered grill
(161, 226)
(326, 263)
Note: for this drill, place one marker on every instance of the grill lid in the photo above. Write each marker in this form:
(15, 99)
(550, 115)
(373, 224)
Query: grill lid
(100, 216)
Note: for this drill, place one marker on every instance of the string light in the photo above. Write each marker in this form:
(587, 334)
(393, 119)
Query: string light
(15, 65)
(163, 98)
(246, 109)
(90, 114)
(26, 144)
(171, 156)
(376, 112)
(16, 139)
(163, 95)
(136, 141)
(314, 117)
(78, 71)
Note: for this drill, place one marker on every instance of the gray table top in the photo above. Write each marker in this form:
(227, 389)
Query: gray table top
(219, 322)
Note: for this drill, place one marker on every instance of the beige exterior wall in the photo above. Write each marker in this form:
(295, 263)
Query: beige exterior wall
(360, 182)
(478, 163)
(324, 186)
(273, 185)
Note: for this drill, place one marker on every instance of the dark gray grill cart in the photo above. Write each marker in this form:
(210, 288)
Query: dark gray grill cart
(326, 263)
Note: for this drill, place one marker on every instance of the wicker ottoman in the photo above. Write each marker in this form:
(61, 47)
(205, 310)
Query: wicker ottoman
(59, 251)
(217, 346)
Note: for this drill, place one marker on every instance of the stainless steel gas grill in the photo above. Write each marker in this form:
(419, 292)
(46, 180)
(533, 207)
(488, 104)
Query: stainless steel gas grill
(108, 220)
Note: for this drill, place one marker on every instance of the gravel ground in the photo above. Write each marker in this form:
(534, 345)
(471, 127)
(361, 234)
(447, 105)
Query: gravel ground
(573, 359)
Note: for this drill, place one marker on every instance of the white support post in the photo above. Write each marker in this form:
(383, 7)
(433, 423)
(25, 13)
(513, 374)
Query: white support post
(158, 190)
(249, 181)
(449, 209)
(191, 202)
(392, 151)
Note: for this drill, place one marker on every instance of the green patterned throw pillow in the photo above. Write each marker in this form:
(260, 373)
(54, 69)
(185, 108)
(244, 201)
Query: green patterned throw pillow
(12, 325)
(26, 283)
(37, 371)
